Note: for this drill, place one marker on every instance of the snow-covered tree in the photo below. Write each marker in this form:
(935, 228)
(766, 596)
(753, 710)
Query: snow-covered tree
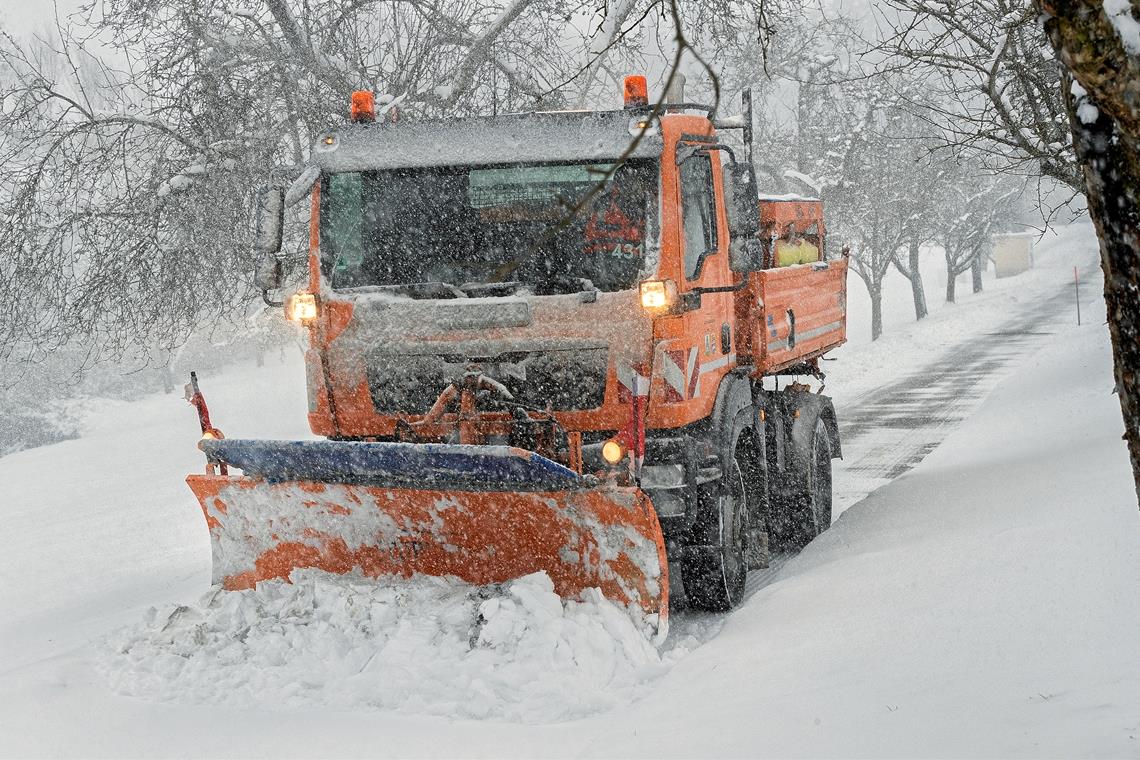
(875, 169)
(973, 209)
(125, 190)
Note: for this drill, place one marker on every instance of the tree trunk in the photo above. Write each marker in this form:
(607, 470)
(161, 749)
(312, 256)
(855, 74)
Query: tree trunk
(876, 311)
(168, 373)
(1108, 147)
(916, 288)
(977, 266)
(951, 282)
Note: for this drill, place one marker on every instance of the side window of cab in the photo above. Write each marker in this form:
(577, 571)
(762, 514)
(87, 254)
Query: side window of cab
(698, 212)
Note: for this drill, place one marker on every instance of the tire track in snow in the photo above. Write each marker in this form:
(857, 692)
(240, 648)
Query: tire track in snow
(889, 430)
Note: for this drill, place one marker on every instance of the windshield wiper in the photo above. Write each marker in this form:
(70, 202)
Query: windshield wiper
(563, 284)
(490, 289)
(429, 290)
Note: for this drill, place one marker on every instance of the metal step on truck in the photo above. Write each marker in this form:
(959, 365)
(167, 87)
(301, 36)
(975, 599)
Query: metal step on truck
(561, 342)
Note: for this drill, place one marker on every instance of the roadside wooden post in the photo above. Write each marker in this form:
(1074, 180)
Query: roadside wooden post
(1077, 288)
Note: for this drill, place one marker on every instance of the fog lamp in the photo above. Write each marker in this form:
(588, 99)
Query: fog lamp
(301, 307)
(612, 451)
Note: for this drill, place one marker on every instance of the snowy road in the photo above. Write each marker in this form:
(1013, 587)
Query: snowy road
(891, 429)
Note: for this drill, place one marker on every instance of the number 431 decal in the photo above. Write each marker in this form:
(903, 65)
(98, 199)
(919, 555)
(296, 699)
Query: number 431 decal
(627, 251)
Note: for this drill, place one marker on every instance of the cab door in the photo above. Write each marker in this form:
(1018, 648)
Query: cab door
(704, 264)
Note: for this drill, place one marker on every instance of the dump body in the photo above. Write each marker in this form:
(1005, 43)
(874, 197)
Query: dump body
(795, 309)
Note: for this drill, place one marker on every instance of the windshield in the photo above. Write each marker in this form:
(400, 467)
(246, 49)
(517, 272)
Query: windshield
(467, 227)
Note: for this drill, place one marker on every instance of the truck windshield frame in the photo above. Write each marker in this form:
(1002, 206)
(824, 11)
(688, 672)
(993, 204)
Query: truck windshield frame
(462, 227)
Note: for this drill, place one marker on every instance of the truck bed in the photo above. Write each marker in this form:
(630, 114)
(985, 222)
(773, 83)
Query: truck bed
(792, 315)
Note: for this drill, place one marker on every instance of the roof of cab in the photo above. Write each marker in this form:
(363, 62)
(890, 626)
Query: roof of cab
(485, 141)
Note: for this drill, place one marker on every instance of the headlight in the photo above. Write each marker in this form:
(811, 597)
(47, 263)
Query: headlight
(612, 451)
(301, 307)
(658, 295)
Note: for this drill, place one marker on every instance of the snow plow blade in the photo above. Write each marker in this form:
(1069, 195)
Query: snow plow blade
(484, 514)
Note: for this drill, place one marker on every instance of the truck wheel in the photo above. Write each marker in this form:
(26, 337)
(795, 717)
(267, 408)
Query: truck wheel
(814, 513)
(713, 565)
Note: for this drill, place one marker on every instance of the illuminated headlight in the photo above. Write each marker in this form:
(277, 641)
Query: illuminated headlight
(612, 451)
(301, 307)
(658, 295)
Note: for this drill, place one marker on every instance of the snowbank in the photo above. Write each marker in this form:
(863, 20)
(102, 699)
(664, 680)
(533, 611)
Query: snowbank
(426, 645)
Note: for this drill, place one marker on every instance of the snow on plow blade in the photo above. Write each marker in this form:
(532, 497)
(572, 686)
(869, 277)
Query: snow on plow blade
(484, 514)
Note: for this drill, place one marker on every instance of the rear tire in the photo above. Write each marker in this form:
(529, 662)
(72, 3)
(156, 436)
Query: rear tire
(814, 501)
(800, 501)
(713, 566)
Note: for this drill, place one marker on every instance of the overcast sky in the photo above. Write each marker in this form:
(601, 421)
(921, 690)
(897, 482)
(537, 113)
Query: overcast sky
(26, 16)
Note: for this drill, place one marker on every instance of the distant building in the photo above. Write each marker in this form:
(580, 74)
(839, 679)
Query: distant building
(1013, 252)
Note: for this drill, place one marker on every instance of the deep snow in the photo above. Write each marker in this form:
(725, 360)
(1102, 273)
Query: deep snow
(982, 604)
(426, 645)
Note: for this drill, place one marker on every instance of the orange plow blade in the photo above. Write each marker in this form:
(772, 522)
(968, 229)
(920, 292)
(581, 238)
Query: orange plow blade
(601, 536)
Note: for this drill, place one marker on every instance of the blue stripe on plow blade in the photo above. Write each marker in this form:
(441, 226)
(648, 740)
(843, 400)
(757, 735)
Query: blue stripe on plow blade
(424, 465)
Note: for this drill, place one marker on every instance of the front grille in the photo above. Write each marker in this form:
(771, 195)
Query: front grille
(566, 379)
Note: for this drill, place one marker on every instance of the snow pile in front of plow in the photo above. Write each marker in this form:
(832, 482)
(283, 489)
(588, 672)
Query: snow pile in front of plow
(514, 651)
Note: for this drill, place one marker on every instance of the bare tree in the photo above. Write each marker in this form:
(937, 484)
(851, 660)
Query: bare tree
(1099, 46)
(920, 185)
(990, 88)
(125, 182)
(973, 209)
(125, 186)
(877, 195)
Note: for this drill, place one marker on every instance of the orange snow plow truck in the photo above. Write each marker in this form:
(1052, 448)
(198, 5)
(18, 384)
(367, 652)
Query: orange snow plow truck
(559, 342)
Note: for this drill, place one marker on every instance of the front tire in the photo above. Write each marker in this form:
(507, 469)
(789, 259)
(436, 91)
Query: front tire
(713, 567)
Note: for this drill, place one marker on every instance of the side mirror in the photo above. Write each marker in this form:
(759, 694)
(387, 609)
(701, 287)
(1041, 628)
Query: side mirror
(746, 255)
(269, 221)
(742, 204)
(270, 274)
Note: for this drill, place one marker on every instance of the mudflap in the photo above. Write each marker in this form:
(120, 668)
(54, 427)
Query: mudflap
(464, 523)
